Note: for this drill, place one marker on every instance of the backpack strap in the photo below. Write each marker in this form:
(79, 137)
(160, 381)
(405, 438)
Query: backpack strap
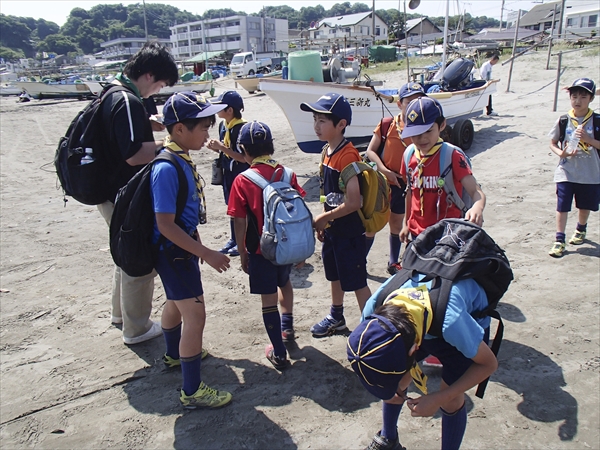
(446, 153)
(183, 185)
(562, 128)
(408, 152)
(384, 127)
(255, 177)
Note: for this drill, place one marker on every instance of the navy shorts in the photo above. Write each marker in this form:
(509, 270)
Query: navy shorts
(454, 362)
(397, 204)
(180, 273)
(345, 259)
(587, 196)
(266, 277)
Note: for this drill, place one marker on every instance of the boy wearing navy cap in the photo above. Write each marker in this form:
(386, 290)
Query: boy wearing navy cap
(339, 227)
(231, 159)
(389, 163)
(578, 172)
(385, 347)
(246, 207)
(187, 116)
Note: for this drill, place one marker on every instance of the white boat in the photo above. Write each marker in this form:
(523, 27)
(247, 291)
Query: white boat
(9, 89)
(250, 83)
(41, 90)
(194, 86)
(458, 107)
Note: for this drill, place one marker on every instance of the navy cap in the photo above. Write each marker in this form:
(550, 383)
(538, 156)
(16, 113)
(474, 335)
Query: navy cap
(254, 133)
(409, 89)
(188, 105)
(378, 356)
(231, 99)
(584, 83)
(421, 114)
(332, 103)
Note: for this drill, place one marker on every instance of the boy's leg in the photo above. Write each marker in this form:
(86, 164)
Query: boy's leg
(171, 327)
(286, 306)
(369, 240)
(136, 307)
(581, 228)
(398, 207)
(272, 322)
(454, 421)
(564, 199)
(362, 295)
(106, 209)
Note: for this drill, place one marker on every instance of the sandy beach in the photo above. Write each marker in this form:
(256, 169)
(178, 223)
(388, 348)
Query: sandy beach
(68, 381)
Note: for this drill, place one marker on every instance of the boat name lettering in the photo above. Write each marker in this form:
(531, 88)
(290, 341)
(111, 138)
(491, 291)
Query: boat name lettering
(360, 101)
(473, 94)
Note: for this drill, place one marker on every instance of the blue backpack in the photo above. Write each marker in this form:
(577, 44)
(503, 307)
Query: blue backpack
(464, 202)
(287, 236)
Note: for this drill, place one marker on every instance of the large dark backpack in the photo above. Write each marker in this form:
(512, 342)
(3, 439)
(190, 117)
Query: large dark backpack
(88, 183)
(452, 250)
(132, 222)
(564, 120)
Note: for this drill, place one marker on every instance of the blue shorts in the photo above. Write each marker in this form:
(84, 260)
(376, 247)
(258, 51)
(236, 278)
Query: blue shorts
(266, 277)
(345, 259)
(455, 364)
(587, 196)
(397, 204)
(180, 273)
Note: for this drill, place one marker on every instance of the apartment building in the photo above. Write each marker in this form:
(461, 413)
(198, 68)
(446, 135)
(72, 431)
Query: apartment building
(123, 48)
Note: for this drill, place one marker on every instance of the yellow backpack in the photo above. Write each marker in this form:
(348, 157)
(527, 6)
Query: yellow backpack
(375, 210)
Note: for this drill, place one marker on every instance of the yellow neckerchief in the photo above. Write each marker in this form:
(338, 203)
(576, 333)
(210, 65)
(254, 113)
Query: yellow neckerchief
(397, 119)
(177, 150)
(421, 160)
(416, 301)
(265, 159)
(228, 127)
(588, 116)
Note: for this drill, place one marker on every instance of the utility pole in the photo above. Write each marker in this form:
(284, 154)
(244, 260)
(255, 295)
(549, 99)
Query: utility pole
(145, 21)
(373, 13)
(562, 16)
(501, 14)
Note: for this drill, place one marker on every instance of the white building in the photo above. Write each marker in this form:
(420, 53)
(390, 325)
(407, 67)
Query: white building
(234, 34)
(123, 48)
(581, 19)
(352, 27)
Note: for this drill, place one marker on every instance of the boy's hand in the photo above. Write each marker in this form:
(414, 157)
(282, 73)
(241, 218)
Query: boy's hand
(321, 236)
(320, 223)
(244, 260)
(216, 260)
(404, 235)
(475, 215)
(214, 145)
(392, 177)
(424, 406)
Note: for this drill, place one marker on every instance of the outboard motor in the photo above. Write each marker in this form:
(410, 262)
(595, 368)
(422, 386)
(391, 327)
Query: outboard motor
(457, 74)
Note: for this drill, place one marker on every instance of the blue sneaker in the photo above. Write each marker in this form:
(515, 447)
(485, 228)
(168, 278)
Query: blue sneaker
(228, 246)
(233, 251)
(328, 326)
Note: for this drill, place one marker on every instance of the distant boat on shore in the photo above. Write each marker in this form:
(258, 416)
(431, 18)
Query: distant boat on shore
(40, 90)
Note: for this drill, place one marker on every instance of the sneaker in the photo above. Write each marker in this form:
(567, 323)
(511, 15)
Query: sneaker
(233, 251)
(116, 320)
(278, 362)
(557, 249)
(328, 326)
(228, 246)
(432, 361)
(205, 397)
(172, 362)
(577, 238)
(382, 443)
(288, 335)
(154, 331)
(493, 113)
(393, 269)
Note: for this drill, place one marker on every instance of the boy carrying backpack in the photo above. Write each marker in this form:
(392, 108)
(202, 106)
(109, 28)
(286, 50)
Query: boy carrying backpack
(247, 207)
(440, 303)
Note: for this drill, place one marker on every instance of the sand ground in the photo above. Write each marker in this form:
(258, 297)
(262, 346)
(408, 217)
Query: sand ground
(68, 381)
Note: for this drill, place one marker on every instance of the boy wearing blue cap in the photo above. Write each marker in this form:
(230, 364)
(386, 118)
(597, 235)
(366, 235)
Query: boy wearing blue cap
(426, 201)
(187, 116)
(384, 348)
(339, 227)
(231, 159)
(389, 163)
(246, 207)
(578, 171)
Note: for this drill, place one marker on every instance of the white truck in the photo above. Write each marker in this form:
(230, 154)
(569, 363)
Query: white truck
(245, 63)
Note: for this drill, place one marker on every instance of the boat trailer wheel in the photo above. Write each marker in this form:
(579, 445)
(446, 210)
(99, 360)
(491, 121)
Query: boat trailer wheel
(463, 134)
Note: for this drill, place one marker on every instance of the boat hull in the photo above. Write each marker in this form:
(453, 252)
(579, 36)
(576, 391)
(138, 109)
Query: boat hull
(43, 90)
(367, 110)
(251, 83)
(193, 86)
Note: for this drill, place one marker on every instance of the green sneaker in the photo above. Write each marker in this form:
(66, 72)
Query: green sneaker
(577, 238)
(557, 249)
(172, 362)
(205, 397)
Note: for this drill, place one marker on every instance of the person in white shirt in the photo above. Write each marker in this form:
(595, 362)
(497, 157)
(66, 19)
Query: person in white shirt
(486, 74)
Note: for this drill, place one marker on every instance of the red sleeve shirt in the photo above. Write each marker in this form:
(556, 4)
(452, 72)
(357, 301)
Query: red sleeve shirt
(394, 144)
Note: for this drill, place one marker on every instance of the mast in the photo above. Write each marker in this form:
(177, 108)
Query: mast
(445, 38)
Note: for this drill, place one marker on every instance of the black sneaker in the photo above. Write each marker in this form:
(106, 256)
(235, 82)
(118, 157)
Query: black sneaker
(381, 443)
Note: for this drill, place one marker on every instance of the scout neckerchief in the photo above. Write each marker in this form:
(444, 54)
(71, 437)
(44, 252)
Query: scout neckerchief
(228, 127)
(421, 160)
(176, 149)
(588, 116)
(324, 154)
(125, 81)
(399, 129)
(416, 301)
(265, 159)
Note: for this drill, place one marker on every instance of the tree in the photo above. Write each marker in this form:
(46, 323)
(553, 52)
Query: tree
(59, 44)
(11, 55)
(45, 28)
(15, 34)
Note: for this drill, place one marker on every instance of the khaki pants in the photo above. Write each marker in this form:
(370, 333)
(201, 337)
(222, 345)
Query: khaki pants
(131, 296)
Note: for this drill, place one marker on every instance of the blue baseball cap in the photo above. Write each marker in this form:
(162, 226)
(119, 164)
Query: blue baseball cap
(378, 356)
(409, 89)
(584, 83)
(254, 133)
(231, 99)
(188, 105)
(421, 114)
(332, 103)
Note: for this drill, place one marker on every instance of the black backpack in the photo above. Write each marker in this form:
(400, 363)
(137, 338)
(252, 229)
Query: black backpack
(87, 183)
(564, 120)
(132, 222)
(452, 250)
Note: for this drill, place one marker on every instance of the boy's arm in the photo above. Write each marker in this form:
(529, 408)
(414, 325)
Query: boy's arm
(218, 146)
(170, 230)
(475, 214)
(554, 146)
(404, 233)
(145, 154)
(240, 225)
(350, 205)
(484, 364)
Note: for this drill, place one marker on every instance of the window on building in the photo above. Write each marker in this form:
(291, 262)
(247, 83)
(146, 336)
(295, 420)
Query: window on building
(377, 31)
(593, 20)
(583, 22)
(254, 26)
(570, 22)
